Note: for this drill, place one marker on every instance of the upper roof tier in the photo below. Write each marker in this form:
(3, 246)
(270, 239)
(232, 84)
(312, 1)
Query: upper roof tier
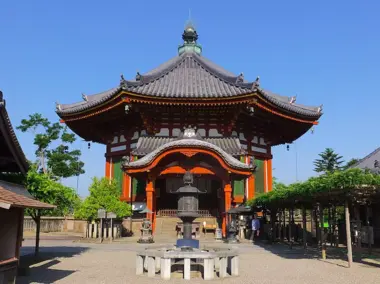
(189, 76)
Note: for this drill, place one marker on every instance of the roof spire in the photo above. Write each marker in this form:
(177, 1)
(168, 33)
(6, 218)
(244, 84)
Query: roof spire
(190, 38)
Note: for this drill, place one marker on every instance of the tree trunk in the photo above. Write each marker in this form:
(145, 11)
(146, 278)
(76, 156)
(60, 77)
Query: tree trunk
(304, 230)
(43, 162)
(37, 219)
(348, 233)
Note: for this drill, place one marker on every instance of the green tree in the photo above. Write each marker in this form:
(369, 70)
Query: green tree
(329, 162)
(45, 189)
(104, 193)
(278, 185)
(350, 163)
(59, 161)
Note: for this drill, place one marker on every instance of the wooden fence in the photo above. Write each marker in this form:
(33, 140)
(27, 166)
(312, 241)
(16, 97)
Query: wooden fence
(56, 224)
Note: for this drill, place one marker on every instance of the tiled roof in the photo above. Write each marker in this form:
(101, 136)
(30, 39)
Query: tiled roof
(145, 145)
(368, 162)
(9, 141)
(17, 196)
(146, 160)
(192, 76)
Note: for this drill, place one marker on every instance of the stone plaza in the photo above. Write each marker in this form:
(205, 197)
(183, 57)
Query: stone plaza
(65, 261)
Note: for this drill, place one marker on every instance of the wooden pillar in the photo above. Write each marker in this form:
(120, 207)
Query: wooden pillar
(333, 224)
(323, 233)
(290, 228)
(227, 205)
(265, 175)
(316, 221)
(348, 233)
(126, 187)
(304, 230)
(273, 214)
(358, 226)
(149, 201)
(279, 224)
(108, 167)
(284, 225)
(251, 187)
(37, 219)
(369, 235)
(269, 175)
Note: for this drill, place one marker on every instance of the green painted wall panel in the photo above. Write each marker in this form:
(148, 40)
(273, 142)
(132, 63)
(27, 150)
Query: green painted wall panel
(118, 173)
(259, 176)
(138, 185)
(239, 185)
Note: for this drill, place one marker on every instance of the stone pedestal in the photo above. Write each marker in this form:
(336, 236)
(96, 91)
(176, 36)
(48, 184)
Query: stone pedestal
(186, 269)
(223, 267)
(233, 265)
(165, 268)
(208, 269)
(151, 267)
(158, 263)
(139, 265)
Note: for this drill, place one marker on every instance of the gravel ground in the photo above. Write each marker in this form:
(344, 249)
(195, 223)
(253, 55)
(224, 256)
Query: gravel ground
(68, 262)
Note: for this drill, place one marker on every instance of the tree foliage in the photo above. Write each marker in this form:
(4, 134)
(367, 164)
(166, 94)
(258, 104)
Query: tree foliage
(59, 161)
(45, 189)
(104, 193)
(343, 181)
(278, 185)
(328, 162)
(350, 163)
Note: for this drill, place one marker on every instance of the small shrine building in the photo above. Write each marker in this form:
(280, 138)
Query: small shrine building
(189, 114)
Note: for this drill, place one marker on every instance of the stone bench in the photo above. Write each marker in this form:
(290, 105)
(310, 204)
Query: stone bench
(224, 261)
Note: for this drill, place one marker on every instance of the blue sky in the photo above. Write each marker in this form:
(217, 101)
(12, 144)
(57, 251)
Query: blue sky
(325, 52)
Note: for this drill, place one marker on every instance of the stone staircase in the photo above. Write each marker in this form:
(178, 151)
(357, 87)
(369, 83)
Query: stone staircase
(165, 226)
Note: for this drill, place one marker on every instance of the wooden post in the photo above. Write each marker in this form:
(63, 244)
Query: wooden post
(284, 225)
(227, 206)
(38, 229)
(358, 227)
(290, 227)
(333, 226)
(348, 233)
(323, 233)
(304, 230)
(273, 224)
(317, 233)
(329, 232)
(279, 224)
(369, 235)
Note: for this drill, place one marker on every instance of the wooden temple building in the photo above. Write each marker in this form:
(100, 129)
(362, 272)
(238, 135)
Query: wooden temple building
(189, 114)
(14, 199)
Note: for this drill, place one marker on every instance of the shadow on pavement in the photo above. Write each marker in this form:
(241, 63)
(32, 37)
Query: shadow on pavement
(333, 253)
(40, 269)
